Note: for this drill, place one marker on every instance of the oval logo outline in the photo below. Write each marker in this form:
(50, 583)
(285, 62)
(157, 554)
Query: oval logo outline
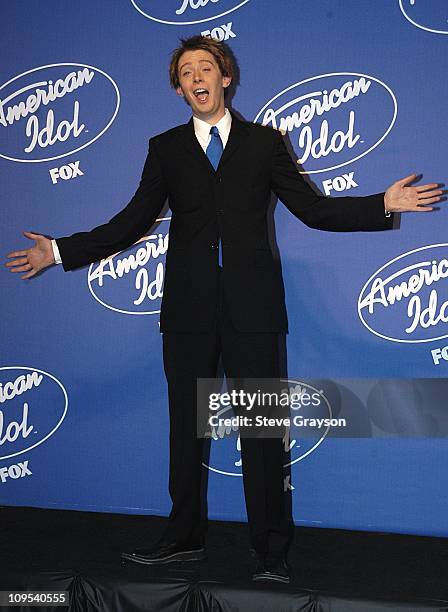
(403, 341)
(301, 457)
(128, 312)
(330, 74)
(418, 25)
(109, 78)
(58, 382)
(182, 23)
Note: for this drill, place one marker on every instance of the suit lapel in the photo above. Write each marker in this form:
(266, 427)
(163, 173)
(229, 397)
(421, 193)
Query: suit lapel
(238, 133)
(191, 143)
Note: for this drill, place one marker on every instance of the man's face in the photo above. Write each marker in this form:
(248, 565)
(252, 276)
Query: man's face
(202, 85)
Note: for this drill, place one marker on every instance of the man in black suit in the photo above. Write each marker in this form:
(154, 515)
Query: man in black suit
(223, 291)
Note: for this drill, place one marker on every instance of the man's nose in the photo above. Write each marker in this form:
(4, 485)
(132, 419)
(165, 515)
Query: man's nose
(197, 78)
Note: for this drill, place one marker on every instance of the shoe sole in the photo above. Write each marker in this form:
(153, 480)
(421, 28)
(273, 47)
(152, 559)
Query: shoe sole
(271, 578)
(188, 555)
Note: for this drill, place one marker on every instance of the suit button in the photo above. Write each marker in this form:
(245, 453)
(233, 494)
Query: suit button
(219, 179)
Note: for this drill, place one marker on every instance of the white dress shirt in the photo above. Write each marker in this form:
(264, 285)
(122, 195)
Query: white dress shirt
(202, 131)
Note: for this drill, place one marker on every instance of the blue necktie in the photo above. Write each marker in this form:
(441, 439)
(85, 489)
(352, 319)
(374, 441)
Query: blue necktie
(214, 152)
(215, 148)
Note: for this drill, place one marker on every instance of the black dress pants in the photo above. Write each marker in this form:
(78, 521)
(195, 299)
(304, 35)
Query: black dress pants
(187, 357)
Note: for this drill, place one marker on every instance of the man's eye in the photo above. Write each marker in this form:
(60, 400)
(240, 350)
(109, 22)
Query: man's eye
(186, 73)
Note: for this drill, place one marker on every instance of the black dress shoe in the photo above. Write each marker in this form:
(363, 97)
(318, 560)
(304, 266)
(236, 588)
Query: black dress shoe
(271, 568)
(165, 553)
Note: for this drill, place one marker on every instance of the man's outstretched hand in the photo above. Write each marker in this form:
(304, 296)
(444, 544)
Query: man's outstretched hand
(32, 260)
(401, 198)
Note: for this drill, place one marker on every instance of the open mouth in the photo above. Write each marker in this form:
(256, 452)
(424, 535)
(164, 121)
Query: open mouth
(201, 94)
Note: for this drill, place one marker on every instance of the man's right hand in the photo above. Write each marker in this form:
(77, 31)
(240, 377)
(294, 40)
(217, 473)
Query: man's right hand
(32, 260)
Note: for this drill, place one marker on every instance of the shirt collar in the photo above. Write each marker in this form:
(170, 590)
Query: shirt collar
(202, 128)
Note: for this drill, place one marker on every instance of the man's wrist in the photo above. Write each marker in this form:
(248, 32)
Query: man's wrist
(387, 212)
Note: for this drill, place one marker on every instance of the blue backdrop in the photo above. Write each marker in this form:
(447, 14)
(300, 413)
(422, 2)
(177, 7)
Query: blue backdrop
(360, 89)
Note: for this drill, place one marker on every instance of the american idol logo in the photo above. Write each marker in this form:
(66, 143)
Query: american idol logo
(186, 12)
(310, 425)
(33, 404)
(406, 300)
(52, 111)
(429, 15)
(332, 119)
(131, 282)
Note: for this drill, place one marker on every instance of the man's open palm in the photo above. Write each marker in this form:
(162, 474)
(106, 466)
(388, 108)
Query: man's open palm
(402, 198)
(32, 260)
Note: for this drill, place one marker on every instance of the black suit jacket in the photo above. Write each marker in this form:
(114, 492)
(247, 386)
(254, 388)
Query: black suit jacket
(232, 204)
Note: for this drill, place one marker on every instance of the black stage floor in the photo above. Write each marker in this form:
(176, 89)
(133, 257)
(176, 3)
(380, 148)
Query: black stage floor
(333, 570)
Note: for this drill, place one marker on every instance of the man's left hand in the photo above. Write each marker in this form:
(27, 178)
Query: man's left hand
(402, 198)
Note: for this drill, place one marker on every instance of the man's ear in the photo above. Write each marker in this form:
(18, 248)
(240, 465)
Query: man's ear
(226, 81)
(179, 91)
